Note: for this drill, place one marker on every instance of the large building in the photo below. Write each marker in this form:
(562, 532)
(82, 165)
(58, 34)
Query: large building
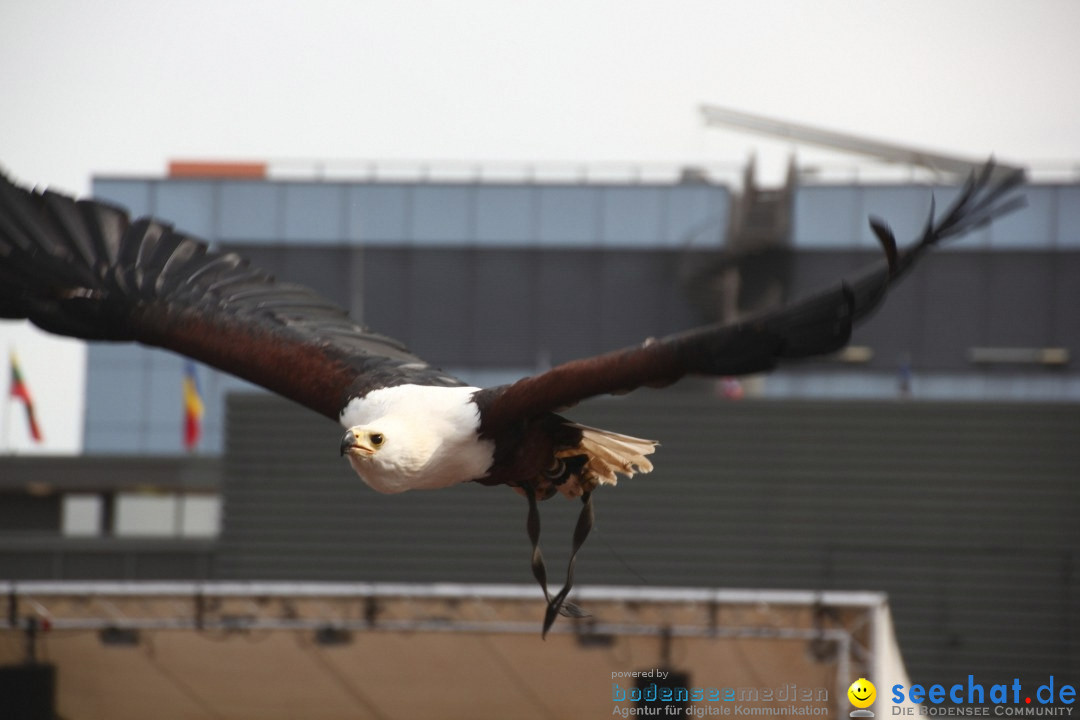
(935, 460)
(495, 279)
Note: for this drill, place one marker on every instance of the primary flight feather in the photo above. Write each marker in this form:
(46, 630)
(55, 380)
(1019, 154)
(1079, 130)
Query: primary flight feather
(85, 269)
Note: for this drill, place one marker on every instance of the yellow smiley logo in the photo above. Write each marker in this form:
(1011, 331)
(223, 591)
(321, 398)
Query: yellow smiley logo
(862, 693)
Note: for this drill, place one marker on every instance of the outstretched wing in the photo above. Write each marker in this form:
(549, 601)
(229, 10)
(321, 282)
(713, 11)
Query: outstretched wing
(86, 270)
(818, 325)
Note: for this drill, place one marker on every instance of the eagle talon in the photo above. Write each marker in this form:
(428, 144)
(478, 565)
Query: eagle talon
(571, 610)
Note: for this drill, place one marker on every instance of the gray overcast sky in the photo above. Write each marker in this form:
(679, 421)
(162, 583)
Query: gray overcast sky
(125, 85)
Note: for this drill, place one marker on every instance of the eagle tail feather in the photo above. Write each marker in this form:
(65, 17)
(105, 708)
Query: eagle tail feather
(609, 454)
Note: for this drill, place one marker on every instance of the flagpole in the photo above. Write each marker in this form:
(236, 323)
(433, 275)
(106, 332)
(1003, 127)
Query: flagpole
(7, 406)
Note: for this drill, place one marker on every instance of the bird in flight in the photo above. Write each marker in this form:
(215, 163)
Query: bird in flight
(85, 269)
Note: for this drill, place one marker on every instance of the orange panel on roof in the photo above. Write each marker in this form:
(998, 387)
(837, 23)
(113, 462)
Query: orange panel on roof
(203, 169)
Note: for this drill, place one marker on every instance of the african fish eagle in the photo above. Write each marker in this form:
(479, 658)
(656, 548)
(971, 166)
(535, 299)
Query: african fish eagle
(85, 269)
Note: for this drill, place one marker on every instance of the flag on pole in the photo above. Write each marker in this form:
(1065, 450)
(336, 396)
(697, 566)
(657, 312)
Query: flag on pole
(193, 407)
(20, 391)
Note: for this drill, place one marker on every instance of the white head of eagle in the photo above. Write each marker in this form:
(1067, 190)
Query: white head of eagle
(412, 437)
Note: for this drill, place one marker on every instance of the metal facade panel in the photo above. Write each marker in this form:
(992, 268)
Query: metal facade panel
(135, 195)
(825, 216)
(1065, 285)
(503, 307)
(1067, 216)
(58, 558)
(633, 216)
(95, 565)
(697, 216)
(386, 291)
(904, 208)
(512, 307)
(1032, 226)
(443, 215)
(505, 215)
(379, 214)
(25, 512)
(566, 317)
(835, 216)
(568, 215)
(327, 269)
(190, 204)
(134, 401)
(426, 213)
(314, 212)
(1019, 311)
(948, 305)
(249, 211)
(963, 512)
(114, 398)
(440, 323)
(294, 511)
(634, 299)
(98, 474)
(164, 400)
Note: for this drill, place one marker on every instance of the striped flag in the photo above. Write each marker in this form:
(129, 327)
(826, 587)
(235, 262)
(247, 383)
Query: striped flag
(20, 391)
(193, 407)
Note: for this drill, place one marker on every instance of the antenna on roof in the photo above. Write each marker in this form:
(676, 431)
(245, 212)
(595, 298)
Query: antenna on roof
(846, 142)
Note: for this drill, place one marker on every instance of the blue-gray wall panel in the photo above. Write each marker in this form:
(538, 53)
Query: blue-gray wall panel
(249, 211)
(825, 216)
(904, 208)
(505, 215)
(115, 395)
(379, 214)
(835, 216)
(632, 216)
(569, 215)
(443, 215)
(1030, 227)
(135, 195)
(165, 403)
(190, 204)
(314, 212)
(1067, 216)
(134, 401)
(697, 216)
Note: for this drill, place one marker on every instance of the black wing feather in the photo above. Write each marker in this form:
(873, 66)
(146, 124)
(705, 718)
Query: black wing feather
(819, 325)
(86, 270)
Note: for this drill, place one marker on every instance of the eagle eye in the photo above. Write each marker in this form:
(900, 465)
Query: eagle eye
(377, 439)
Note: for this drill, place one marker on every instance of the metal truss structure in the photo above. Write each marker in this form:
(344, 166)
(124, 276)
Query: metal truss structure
(837, 627)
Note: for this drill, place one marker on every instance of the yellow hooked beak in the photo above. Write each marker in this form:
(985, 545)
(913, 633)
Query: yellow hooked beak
(364, 443)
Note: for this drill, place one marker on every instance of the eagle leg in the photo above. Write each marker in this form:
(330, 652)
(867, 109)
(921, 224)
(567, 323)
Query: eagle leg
(557, 605)
(565, 468)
